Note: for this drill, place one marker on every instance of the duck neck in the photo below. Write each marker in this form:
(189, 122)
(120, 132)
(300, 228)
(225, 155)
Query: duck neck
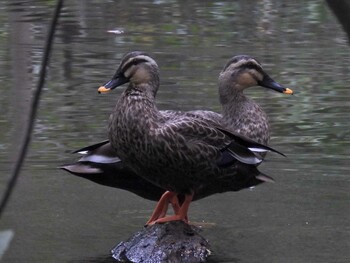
(137, 110)
(141, 92)
(244, 115)
(231, 99)
(141, 98)
(134, 119)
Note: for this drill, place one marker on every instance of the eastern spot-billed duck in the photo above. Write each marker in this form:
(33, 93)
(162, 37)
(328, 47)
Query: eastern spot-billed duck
(181, 154)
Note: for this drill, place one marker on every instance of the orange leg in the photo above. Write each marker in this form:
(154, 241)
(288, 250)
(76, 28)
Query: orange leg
(176, 207)
(162, 207)
(174, 201)
(175, 204)
(181, 215)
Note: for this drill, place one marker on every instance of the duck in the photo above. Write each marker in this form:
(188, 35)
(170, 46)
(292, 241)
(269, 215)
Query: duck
(239, 112)
(101, 165)
(180, 154)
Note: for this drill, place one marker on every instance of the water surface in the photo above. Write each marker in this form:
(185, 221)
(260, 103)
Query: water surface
(56, 217)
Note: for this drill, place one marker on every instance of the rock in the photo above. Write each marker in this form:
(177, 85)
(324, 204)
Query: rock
(170, 242)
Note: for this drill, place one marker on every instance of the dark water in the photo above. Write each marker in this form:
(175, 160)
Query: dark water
(55, 217)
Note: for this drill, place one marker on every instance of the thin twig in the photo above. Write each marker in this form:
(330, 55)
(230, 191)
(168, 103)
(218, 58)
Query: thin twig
(33, 110)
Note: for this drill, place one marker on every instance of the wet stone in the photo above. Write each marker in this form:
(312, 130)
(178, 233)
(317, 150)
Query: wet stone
(171, 242)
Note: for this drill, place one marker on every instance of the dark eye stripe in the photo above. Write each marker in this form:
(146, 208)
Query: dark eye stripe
(134, 62)
(243, 62)
(246, 65)
(251, 65)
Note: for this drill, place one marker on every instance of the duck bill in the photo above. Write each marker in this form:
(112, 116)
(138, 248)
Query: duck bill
(269, 83)
(112, 84)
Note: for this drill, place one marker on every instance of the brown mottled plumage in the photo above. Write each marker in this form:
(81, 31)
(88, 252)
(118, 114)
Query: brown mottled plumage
(179, 154)
(240, 113)
(101, 164)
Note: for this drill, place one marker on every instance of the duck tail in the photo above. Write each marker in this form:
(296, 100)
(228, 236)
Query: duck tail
(80, 169)
(91, 147)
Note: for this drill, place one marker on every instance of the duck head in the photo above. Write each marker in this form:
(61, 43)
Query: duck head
(242, 72)
(136, 68)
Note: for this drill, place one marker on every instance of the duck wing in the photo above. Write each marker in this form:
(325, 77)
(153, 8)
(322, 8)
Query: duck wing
(202, 137)
(251, 144)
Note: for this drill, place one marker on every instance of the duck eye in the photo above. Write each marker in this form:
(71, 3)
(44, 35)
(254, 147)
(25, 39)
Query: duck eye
(138, 61)
(134, 62)
(251, 65)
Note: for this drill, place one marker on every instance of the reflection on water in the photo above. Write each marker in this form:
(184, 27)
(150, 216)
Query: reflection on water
(303, 217)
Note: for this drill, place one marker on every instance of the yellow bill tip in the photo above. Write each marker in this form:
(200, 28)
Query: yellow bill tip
(103, 89)
(288, 91)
